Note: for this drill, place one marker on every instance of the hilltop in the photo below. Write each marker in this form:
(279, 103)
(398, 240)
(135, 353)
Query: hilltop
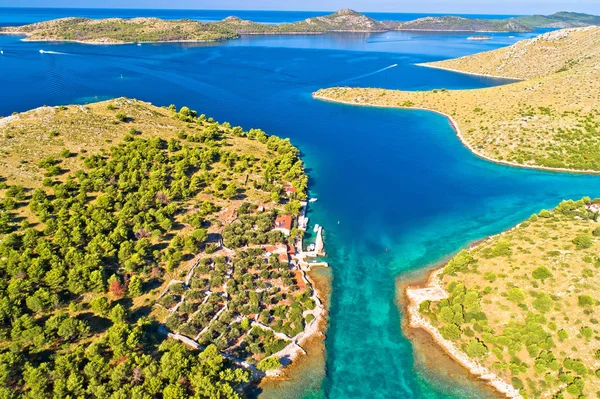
(122, 223)
(549, 120)
(521, 308)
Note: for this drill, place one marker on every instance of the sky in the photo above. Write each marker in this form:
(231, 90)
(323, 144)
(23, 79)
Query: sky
(410, 6)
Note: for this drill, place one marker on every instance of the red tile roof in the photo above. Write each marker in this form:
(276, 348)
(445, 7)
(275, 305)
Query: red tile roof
(283, 222)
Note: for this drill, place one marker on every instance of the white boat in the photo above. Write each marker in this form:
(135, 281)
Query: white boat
(311, 247)
(312, 200)
(41, 51)
(316, 228)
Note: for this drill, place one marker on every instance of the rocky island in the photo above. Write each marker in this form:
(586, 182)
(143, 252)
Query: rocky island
(122, 223)
(460, 24)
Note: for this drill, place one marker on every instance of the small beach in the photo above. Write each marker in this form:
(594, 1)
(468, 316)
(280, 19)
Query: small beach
(432, 360)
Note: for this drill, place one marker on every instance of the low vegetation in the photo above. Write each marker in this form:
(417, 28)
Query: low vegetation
(118, 30)
(91, 233)
(524, 303)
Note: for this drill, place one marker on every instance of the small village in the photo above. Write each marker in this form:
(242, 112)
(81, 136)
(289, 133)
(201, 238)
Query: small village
(255, 302)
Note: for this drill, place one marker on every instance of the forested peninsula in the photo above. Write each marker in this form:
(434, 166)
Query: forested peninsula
(122, 224)
(137, 30)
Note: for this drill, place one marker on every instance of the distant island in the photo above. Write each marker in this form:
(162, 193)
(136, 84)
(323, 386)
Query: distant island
(122, 223)
(520, 309)
(460, 24)
(136, 30)
(548, 120)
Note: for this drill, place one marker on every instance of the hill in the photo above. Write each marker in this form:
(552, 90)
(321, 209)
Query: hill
(121, 222)
(460, 24)
(560, 20)
(117, 30)
(524, 305)
(550, 120)
(341, 21)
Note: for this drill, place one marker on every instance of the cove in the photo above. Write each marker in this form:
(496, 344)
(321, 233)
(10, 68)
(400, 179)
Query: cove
(395, 179)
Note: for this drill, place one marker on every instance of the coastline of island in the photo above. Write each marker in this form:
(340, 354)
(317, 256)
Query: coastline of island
(458, 133)
(427, 287)
(541, 119)
(497, 307)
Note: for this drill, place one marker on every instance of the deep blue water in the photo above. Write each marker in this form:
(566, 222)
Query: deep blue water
(395, 179)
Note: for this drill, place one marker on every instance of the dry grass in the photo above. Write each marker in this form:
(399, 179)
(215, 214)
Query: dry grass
(548, 242)
(550, 120)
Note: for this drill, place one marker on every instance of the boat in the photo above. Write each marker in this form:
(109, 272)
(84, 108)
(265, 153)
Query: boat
(311, 247)
(479, 38)
(312, 200)
(316, 228)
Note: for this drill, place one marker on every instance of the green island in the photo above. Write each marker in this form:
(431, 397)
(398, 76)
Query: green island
(122, 223)
(548, 120)
(119, 30)
(461, 24)
(521, 309)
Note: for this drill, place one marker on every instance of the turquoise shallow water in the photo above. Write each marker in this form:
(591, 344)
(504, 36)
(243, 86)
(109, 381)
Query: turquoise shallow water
(393, 179)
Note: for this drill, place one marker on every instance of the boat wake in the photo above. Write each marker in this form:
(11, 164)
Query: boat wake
(52, 52)
(368, 74)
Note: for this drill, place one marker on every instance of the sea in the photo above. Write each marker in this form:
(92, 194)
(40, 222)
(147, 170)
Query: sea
(397, 191)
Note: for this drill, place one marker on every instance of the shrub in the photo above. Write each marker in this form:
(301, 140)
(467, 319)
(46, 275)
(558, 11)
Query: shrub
(543, 303)
(583, 241)
(269, 363)
(476, 348)
(541, 273)
(563, 334)
(459, 263)
(516, 295)
(586, 332)
(451, 331)
(585, 300)
(545, 214)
